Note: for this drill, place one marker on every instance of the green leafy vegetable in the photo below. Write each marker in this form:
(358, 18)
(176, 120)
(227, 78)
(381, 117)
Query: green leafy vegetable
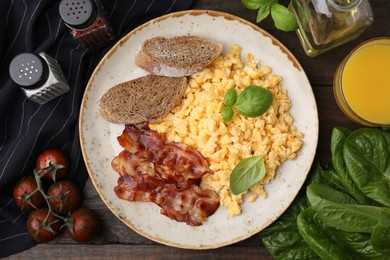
(341, 219)
(230, 97)
(360, 244)
(337, 210)
(227, 113)
(246, 173)
(283, 240)
(330, 177)
(339, 135)
(316, 192)
(334, 209)
(380, 237)
(366, 154)
(284, 20)
(309, 226)
(252, 102)
(264, 9)
(251, 4)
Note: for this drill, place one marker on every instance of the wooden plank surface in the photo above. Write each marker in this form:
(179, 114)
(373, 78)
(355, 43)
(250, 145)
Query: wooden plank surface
(146, 252)
(119, 242)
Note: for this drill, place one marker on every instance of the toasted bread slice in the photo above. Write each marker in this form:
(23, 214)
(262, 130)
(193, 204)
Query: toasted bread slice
(178, 56)
(141, 99)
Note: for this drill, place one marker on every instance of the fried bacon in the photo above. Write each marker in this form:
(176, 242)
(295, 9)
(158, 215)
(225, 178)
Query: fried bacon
(168, 174)
(192, 205)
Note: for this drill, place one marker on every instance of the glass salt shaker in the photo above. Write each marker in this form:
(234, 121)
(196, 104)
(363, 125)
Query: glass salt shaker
(87, 21)
(39, 76)
(325, 24)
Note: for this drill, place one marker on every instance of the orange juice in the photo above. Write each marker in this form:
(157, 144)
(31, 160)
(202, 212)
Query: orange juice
(362, 83)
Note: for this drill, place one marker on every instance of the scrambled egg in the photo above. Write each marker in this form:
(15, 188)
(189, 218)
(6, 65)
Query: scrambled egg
(197, 122)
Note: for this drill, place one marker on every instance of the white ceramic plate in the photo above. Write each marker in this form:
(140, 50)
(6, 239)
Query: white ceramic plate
(99, 143)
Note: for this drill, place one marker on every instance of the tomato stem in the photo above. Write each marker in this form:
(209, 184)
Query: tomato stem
(40, 189)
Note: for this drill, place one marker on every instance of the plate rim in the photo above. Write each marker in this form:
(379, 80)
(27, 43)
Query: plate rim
(119, 43)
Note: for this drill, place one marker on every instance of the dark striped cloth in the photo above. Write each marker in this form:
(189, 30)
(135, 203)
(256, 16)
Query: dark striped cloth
(26, 128)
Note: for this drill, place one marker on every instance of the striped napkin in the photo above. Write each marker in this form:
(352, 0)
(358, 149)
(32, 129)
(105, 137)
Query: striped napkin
(27, 128)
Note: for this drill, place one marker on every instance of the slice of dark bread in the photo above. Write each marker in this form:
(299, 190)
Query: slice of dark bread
(141, 99)
(178, 56)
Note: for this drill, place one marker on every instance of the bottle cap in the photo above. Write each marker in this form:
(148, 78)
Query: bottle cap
(28, 70)
(77, 13)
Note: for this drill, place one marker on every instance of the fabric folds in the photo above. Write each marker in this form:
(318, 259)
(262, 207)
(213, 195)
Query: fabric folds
(27, 128)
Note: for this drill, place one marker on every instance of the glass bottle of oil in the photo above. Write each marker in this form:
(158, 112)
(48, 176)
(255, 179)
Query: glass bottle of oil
(325, 24)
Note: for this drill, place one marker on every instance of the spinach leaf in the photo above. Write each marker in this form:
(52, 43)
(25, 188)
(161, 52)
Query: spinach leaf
(381, 240)
(339, 135)
(253, 101)
(316, 192)
(309, 226)
(339, 211)
(359, 243)
(380, 235)
(345, 219)
(330, 177)
(246, 173)
(366, 154)
(283, 240)
(327, 176)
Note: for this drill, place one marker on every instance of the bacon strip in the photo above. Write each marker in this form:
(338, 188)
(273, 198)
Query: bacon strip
(192, 205)
(168, 174)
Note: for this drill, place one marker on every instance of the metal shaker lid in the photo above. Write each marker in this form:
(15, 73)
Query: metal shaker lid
(27, 69)
(77, 13)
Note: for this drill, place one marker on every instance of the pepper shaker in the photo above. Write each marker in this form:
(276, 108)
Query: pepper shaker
(39, 76)
(87, 21)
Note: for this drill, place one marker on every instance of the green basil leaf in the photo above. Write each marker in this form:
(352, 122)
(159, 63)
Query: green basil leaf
(253, 101)
(227, 113)
(251, 4)
(246, 173)
(284, 20)
(230, 97)
(264, 9)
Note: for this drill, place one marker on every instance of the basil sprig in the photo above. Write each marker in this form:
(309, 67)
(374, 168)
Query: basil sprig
(252, 102)
(246, 173)
(284, 20)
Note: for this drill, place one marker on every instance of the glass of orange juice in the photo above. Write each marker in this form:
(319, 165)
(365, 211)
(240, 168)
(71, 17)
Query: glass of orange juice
(362, 83)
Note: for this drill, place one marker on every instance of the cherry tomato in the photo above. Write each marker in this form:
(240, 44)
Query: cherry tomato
(55, 163)
(42, 226)
(84, 225)
(22, 194)
(64, 195)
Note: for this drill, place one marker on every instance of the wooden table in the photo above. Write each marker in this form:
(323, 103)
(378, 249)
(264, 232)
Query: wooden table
(119, 242)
